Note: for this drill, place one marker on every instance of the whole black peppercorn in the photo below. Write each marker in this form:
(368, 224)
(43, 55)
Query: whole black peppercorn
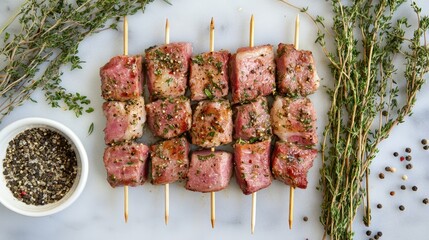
(426, 201)
(408, 158)
(403, 187)
(379, 205)
(424, 141)
(368, 233)
(395, 154)
(409, 166)
(305, 219)
(379, 234)
(401, 207)
(388, 169)
(426, 147)
(408, 150)
(381, 176)
(414, 188)
(376, 237)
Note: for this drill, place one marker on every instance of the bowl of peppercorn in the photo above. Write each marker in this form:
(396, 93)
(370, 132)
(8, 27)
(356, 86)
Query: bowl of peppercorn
(44, 167)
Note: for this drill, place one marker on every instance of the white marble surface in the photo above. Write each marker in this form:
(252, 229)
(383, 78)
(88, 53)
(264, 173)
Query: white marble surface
(98, 213)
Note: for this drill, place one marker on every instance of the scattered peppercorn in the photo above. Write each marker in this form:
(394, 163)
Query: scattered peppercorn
(424, 141)
(401, 207)
(395, 154)
(305, 219)
(425, 147)
(392, 193)
(404, 177)
(379, 206)
(376, 237)
(381, 176)
(409, 166)
(414, 188)
(403, 187)
(408, 150)
(426, 201)
(408, 158)
(379, 234)
(368, 233)
(393, 169)
(388, 169)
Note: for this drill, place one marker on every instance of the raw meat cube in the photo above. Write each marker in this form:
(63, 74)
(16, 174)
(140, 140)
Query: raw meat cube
(169, 160)
(212, 124)
(124, 120)
(121, 78)
(209, 171)
(252, 73)
(252, 121)
(294, 120)
(296, 71)
(209, 75)
(291, 162)
(252, 165)
(167, 68)
(126, 164)
(170, 117)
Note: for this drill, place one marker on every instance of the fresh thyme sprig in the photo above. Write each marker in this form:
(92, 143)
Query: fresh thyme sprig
(366, 97)
(49, 37)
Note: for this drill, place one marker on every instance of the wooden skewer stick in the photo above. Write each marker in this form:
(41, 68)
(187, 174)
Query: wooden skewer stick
(212, 194)
(167, 186)
(292, 189)
(253, 213)
(125, 53)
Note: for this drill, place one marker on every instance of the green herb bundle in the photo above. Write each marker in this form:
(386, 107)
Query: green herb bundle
(369, 97)
(49, 37)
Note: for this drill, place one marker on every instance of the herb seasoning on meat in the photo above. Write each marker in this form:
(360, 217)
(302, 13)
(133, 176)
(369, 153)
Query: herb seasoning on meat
(40, 166)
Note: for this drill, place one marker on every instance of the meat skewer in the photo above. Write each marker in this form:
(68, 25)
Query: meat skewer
(126, 53)
(210, 171)
(167, 186)
(292, 189)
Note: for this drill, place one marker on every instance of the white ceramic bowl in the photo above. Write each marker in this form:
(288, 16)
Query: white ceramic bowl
(6, 196)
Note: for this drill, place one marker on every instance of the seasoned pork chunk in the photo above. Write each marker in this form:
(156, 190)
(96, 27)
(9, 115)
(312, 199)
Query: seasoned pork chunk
(294, 120)
(212, 124)
(209, 75)
(170, 117)
(121, 78)
(296, 71)
(169, 160)
(252, 121)
(167, 69)
(209, 171)
(124, 120)
(126, 164)
(252, 73)
(252, 165)
(291, 162)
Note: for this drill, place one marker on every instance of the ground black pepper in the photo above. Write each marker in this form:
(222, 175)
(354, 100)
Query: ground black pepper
(40, 166)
